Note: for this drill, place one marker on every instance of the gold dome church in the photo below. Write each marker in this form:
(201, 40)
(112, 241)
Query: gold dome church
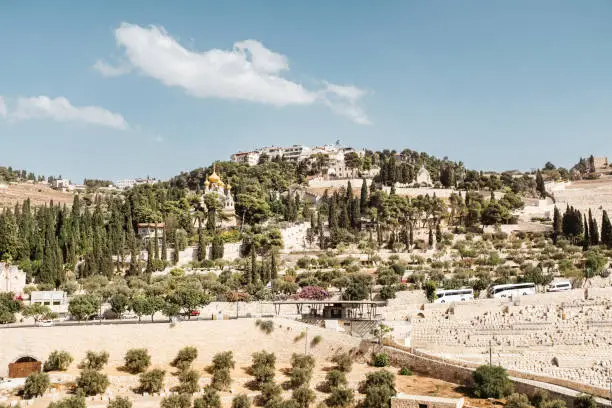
(214, 185)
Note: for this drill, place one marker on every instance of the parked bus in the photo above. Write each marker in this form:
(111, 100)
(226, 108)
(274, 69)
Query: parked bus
(559, 286)
(454, 295)
(512, 290)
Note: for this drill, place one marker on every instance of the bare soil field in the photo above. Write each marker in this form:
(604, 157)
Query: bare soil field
(123, 383)
(37, 193)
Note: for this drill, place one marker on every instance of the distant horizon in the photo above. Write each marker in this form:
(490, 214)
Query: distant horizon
(228, 159)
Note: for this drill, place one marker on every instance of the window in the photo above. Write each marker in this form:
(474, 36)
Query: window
(422, 405)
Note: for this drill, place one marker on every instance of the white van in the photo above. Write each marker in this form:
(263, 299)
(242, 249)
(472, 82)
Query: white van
(559, 286)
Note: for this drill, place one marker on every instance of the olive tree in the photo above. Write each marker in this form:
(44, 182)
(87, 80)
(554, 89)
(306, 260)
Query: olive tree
(137, 360)
(35, 385)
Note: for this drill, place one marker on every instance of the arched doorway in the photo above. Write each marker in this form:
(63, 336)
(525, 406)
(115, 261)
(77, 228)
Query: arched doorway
(24, 366)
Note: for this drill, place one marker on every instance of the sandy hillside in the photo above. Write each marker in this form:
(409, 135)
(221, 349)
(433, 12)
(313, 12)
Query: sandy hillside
(37, 193)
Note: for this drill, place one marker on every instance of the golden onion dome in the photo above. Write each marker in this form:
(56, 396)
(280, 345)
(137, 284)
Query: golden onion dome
(214, 178)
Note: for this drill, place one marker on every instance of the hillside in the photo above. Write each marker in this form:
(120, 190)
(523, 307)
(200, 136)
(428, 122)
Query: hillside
(39, 194)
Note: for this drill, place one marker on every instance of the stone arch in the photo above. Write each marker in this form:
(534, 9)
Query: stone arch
(24, 365)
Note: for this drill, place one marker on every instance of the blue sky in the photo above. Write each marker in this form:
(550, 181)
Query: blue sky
(119, 89)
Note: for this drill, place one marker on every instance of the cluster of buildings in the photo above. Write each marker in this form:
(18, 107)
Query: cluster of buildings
(335, 165)
(67, 186)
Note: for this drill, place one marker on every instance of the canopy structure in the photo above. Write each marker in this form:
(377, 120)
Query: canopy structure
(334, 309)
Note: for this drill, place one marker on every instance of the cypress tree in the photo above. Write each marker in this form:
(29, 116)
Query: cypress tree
(540, 184)
(273, 267)
(149, 267)
(438, 233)
(586, 240)
(593, 229)
(430, 238)
(253, 274)
(201, 246)
(411, 236)
(175, 254)
(156, 244)
(557, 231)
(363, 201)
(164, 247)
(356, 215)
(217, 247)
(606, 230)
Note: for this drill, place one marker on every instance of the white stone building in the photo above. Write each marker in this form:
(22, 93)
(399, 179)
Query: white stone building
(12, 279)
(125, 183)
(250, 158)
(149, 230)
(423, 179)
(49, 297)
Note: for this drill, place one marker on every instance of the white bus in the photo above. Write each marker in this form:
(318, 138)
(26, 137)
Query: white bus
(559, 286)
(454, 295)
(512, 290)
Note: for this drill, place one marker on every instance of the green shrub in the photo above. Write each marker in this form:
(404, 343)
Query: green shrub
(58, 360)
(152, 381)
(538, 398)
(405, 371)
(304, 396)
(189, 382)
(343, 362)
(340, 398)
(223, 360)
(35, 385)
(316, 340)
(76, 401)
(269, 392)
(176, 401)
(381, 360)
(585, 401)
(94, 361)
(517, 400)
(263, 367)
(555, 403)
(299, 337)
(241, 401)
(220, 369)
(266, 326)
(491, 382)
(378, 387)
(91, 382)
(137, 360)
(335, 379)
(382, 378)
(299, 376)
(185, 357)
(119, 402)
(377, 397)
(210, 399)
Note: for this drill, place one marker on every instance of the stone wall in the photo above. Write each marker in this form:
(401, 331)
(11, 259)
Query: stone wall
(163, 341)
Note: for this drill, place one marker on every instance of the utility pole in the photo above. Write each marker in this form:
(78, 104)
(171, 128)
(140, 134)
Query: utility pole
(490, 354)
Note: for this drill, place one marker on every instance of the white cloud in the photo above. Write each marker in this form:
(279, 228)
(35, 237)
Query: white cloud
(249, 71)
(2, 107)
(344, 100)
(108, 70)
(61, 110)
